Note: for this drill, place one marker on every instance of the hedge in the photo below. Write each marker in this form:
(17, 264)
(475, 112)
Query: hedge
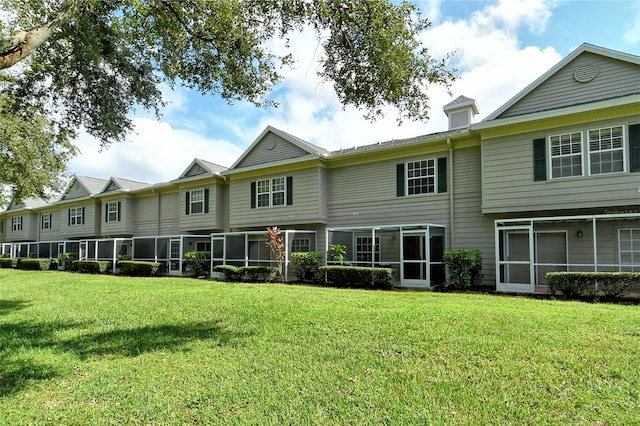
(246, 273)
(306, 265)
(465, 267)
(8, 262)
(583, 284)
(138, 269)
(356, 276)
(91, 266)
(34, 264)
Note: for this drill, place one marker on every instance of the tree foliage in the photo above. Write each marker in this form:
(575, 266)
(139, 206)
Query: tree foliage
(88, 63)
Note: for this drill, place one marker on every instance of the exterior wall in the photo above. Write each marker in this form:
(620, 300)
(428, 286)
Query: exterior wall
(614, 78)
(125, 226)
(307, 208)
(156, 214)
(169, 208)
(271, 148)
(29, 230)
(201, 222)
(508, 184)
(91, 226)
(53, 233)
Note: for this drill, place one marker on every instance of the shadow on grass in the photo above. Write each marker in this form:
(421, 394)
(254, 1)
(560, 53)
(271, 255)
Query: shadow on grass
(30, 351)
(7, 306)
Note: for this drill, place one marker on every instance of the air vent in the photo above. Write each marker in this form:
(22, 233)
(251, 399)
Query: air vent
(585, 73)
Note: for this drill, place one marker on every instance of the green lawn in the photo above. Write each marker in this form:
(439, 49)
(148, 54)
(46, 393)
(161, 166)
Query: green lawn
(82, 349)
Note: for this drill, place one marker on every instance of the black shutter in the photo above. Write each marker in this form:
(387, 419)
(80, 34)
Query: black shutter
(289, 190)
(82, 218)
(69, 217)
(119, 210)
(253, 195)
(442, 174)
(206, 200)
(539, 159)
(187, 209)
(106, 212)
(634, 147)
(400, 180)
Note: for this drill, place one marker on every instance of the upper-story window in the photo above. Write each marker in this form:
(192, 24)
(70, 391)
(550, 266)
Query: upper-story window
(566, 155)
(606, 150)
(76, 216)
(272, 192)
(46, 221)
(112, 213)
(197, 201)
(426, 176)
(16, 223)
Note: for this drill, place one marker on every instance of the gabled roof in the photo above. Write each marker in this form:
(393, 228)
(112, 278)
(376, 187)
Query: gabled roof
(199, 167)
(120, 184)
(27, 204)
(91, 186)
(308, 147)
(585, 47)
(461, 102)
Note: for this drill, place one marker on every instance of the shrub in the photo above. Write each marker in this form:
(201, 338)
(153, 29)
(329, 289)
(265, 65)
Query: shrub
(337, 253)
(93, 266)
(465, 267)
(199, 262)
(33, 264)
(256, 274)
(66, 260)
(7, 262)
(138, 269)
(306, 266)
(356, 276)
(583, 284)
(230, 272)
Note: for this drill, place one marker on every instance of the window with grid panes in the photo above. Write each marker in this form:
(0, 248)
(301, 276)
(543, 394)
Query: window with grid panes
(629, 249)
(566, 155)
(606, 150)
(421, 177)
(301, 245)
(364, 249)
(263, 192)
(46, 221)
(16, 223)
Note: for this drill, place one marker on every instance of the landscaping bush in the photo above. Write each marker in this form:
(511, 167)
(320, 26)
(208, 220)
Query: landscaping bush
(138, 269)
(465, 267)
(92, 266)
(256, 274)
(199, 262)
(583, 284)
(230, 272)
(306, 266)
(356, 276)
(33, 264)
(8, 262)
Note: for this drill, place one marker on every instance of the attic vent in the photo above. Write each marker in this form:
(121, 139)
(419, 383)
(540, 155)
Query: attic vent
(585, 73)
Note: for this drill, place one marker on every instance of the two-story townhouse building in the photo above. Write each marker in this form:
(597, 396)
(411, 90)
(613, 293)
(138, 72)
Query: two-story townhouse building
(549, 181)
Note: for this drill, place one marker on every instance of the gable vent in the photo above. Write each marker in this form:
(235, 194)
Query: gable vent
(585, 73)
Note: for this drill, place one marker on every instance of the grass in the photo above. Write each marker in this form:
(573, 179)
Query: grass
(93, 349)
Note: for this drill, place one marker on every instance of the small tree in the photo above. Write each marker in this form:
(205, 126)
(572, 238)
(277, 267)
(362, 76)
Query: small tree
(337, 253)
(277, 246)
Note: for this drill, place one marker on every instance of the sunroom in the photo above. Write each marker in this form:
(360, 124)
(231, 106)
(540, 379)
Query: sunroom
(527, 249)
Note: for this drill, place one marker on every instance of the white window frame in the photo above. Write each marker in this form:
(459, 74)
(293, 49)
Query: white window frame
(75, 216)
(621, 149)
(302, 245)
(271, 192)
(112, 209)
(562, 154)
(196, 201)
(632, 250)
(363, 249)
(16, 223)
(46, 221)
(427, 169)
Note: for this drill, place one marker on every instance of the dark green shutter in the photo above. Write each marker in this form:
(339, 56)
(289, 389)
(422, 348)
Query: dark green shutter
(206, 200)
(400, 180)
(119, 210)
(442, 174)
(253, 195)
(69, 217)
(187, 209)
(634, 147)
(289, 190)
(82, 218)
(539, 159)
(106, 212)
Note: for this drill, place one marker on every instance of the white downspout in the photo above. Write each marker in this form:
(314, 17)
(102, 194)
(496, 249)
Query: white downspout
(451, 214)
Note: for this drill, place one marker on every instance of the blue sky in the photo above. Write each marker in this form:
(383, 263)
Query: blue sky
(501, 47)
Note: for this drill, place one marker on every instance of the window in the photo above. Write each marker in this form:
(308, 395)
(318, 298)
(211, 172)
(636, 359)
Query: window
(421, 177)
(629, 249)
(197, 201)
(301, 245)
(46, 221)
(364, 249)
(203, 245)
(566, 155)
(272, 192)
(76, 216)
(606, 150)
(113, 212)
(16, 223)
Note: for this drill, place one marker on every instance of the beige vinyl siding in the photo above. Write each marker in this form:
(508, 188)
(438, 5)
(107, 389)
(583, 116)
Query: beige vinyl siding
(472, 229)
(125, 226)
(306, 207)
(222, 206)
(169, 213)
(615, 78)
(156, 214)
(52, 234)
(91, 226)
(281, 149)
(365, 195)
(29, 230)
(76, 191)
(201, 222)
(508, 184)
